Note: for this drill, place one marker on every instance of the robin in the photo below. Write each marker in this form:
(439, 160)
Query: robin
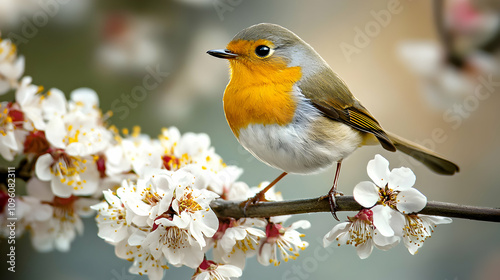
(288, 108)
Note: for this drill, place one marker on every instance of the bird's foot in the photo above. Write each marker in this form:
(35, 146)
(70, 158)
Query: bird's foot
(259, 197)
(332, 201)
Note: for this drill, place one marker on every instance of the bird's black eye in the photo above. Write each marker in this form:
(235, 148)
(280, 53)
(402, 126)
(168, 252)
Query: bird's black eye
(262, 51)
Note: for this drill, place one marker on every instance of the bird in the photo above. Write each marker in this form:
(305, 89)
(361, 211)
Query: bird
(290, 110)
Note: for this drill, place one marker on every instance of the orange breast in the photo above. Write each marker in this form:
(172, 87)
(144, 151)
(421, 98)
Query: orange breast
(260, 94)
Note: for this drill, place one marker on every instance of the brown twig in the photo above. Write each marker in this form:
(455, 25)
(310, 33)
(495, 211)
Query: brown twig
(225, 208)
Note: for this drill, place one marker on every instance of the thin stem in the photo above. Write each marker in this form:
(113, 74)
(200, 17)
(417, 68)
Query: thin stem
(346, 203)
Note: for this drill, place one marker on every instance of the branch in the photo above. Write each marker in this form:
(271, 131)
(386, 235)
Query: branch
(225, 208)
(445, 36)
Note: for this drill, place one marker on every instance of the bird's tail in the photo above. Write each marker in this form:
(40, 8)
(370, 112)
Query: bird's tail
(429, 158)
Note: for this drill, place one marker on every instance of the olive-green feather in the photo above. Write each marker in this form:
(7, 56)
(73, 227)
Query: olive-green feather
(330, 95)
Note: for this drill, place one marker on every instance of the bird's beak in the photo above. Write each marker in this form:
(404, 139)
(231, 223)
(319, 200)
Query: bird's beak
(227, 54)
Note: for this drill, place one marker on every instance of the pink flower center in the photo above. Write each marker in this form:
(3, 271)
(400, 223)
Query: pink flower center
(365, 215)
(206, 265)
(224, 224)
(101, 166)
(17, 116)
(36, 143)
(63, 207)
(167, 215)
(170, 162)
(64, 202)
(274, 230)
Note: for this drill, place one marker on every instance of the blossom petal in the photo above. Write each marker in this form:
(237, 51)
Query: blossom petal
(413, 247)
(195, 257)
(137, 238)
(8, 139)
(91, 179)
(26, 91)
(383, 242)
(55, 132)
(410, 201)
(279, 219)
(54, 104)
(19, 67)
(300, 224)
(86, 96)
(82, 206)
(43, 213)
(230, 237)
(60, 189)
(436, 220)
(63, 243)
(229, 270)
(172, 257)
(401, 179)
(42, 167)
(365, 249)
(265, 253)
(77, 149)
(366, 194)
(112, 199)
(334, 233)
(381, 219)
(39, 189)
(397, 222)
(210, 223)
(378, 170)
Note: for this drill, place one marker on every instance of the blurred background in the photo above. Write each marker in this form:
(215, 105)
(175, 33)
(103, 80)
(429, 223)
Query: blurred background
(428, 72)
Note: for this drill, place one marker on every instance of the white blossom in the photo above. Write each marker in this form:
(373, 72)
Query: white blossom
(143, 263)
(68, 175)
(11, 66)
(133, 153)
(390, 196)
(282, 242)
(111, 219)
(237, 240)
(12, 135)
(164, 212)
(76, 135)
(418, 228)
(30, 99)
(209, 270)
(53, 221)
(360, 232)
(189, 148)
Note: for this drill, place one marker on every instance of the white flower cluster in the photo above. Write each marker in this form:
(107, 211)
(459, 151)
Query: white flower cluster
(164, 218)
(61, 142)
(60, 138)
(390, 203)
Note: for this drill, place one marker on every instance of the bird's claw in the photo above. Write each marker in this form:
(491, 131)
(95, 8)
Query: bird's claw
(259, 197)
(333, 203)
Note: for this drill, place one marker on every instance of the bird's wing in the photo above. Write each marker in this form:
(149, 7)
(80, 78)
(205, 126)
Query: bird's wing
(330, 95)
